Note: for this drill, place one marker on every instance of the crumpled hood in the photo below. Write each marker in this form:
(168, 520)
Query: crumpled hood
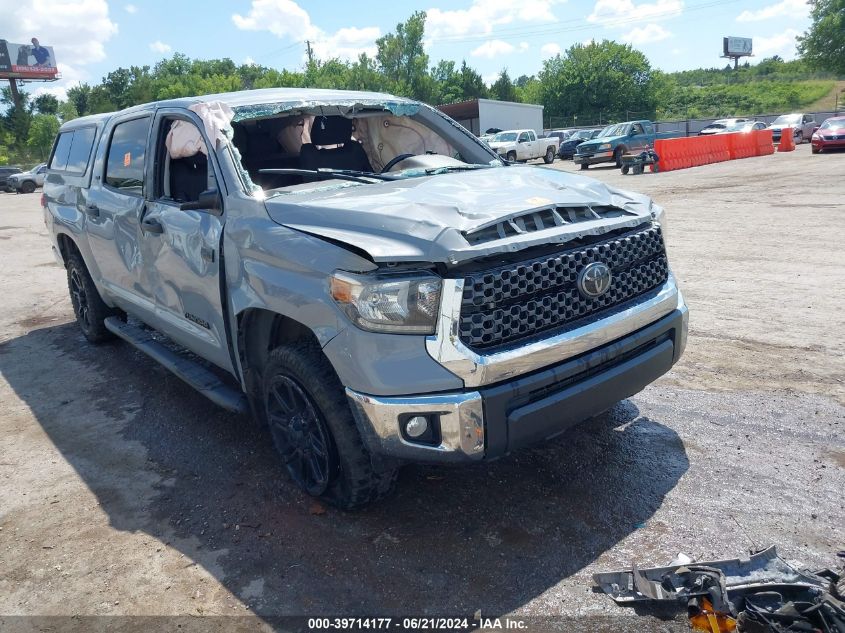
(594, 143)
(424, 218)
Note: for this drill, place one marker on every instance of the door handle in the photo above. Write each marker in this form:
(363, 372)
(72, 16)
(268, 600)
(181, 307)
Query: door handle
(93, 211)
(151, 225)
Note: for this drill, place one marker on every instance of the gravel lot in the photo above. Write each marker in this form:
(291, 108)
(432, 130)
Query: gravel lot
(123, 492)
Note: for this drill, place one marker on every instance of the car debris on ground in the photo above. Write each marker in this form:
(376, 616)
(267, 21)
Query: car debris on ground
(761, 594)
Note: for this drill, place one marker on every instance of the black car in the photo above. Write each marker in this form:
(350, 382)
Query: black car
(567, 147)
(5, 172)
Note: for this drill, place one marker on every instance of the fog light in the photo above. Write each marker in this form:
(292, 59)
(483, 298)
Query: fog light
(416, 426)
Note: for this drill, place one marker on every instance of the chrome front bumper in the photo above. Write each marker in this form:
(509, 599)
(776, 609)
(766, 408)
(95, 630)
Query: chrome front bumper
(461, 415)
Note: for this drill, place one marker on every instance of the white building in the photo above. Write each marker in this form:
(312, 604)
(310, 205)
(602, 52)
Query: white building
(481, 115)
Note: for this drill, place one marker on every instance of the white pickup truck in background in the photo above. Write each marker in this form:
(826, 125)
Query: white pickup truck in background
(522, 145)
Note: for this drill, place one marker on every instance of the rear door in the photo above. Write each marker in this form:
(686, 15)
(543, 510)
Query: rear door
(181, 249)
(114, 210)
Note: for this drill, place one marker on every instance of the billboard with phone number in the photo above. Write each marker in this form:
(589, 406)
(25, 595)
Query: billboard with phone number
(27, 61)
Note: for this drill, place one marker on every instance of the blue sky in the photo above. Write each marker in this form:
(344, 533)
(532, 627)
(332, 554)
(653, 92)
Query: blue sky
(92, 37)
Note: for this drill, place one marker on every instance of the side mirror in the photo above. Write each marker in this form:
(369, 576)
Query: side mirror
(209, 200)
(632, 133)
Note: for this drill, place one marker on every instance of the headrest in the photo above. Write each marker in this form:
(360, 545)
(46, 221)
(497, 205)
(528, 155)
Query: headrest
(331, 130)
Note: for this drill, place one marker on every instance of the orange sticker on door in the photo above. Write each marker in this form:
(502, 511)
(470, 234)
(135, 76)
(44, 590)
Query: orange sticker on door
(127, 158)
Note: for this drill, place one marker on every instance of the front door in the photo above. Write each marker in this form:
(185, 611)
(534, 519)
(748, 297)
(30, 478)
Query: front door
(183, 247)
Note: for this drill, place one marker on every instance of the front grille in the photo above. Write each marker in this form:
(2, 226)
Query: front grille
(517, 302)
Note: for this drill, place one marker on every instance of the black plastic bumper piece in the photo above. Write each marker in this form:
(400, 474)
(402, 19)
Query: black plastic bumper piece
(538, 406)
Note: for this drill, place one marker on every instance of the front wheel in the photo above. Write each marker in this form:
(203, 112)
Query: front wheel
(584, 165)
(815, 150)
(617, 157)
(28, 186)
(625, 169)
(550, 156)
(511, 157)
(313, 430)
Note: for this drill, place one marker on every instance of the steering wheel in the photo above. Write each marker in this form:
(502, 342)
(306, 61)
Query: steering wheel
(393, 161)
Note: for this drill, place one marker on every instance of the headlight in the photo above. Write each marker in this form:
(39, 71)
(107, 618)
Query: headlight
(604, 146)
(815, 137)
(405, 304)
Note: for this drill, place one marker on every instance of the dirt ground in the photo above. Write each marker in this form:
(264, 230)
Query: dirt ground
(124, 493)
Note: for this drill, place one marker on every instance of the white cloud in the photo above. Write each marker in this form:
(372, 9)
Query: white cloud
(619, 12)
(550, 50)
(782, 44)
(60, 92)
(492, 48)
(286, 19)
(523, 46)
(646, 34)
(347, 43)
(483, 15)
(160, 47)
(489, 79)
(249, 61)
(76, 29)
(131, 8)
(795, 9)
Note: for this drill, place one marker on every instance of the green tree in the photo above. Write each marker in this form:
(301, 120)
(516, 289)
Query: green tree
(46, 104)
(42, 132)
(67, 111)
(823, 45)
(79, 96)
(598, 80)
(402, 59)
(503, 88)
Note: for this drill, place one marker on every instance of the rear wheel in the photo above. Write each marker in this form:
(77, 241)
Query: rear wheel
(625, 169)
(88, 307)
(27, 186)
(314, 432)
(550, 156)
(584, 165)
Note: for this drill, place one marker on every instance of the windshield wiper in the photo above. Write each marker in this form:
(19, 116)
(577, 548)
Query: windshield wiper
(324, 173)
(445, 168)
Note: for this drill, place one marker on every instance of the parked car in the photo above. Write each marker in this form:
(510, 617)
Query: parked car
(720, 125)
(5, 172)
(27, 181)
(522, 145)
(374, 300)
(743, 126)
(614, 140)
(567, 148)
(560, 135)
(802, 126)
(829, 135)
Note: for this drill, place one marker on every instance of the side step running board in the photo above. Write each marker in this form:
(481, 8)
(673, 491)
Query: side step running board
(188, 370)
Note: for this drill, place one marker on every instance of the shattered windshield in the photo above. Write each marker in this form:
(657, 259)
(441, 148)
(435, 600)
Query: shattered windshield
(614, 130)
(298, 148)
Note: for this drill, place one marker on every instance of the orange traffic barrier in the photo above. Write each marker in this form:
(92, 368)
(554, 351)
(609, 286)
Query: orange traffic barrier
(787, 143)
(680, 153)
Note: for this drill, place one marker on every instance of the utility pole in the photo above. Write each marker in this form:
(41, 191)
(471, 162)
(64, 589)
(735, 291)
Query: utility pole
(308, 50)
(16, 96)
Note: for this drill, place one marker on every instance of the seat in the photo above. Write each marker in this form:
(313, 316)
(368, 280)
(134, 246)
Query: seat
(188, 177)
(333, 130)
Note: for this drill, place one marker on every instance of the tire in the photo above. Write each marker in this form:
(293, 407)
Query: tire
(27, 186)
(550, 156)
(815, 150)
(617, 156)
(638, 170)
(511, 157)
(625, 169)
(314, 432)
(88, 306)
(585, 166)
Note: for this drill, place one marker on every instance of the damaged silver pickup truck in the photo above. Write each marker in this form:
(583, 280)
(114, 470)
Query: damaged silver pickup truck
(362, 274)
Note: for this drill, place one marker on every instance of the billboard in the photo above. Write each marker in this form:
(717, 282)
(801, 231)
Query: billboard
(737, 46)
(27, 61)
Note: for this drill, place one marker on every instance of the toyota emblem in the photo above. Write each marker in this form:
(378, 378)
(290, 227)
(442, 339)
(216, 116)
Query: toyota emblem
(594, 280)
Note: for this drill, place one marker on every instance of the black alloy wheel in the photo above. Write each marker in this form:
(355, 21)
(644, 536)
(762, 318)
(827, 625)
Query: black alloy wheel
(300, 434)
